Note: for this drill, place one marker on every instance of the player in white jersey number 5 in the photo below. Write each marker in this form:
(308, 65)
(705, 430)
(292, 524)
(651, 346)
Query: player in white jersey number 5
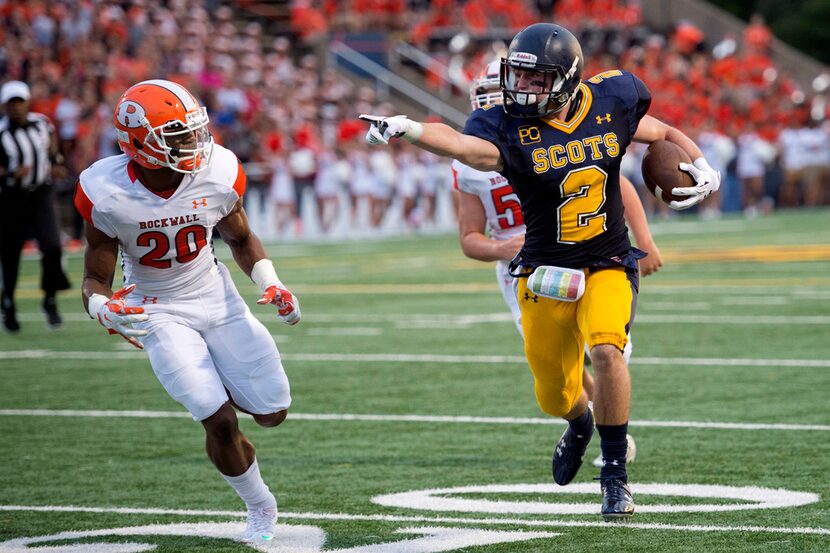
(158, 204)
(491, 226)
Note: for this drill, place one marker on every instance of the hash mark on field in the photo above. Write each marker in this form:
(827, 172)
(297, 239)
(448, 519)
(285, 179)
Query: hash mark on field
(346, 417)
(423, 519)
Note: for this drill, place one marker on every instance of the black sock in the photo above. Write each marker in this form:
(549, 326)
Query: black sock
(583, 425)
(614, 445)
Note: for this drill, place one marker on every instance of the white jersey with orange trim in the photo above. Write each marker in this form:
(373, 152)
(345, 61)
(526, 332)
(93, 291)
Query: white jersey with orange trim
(165, 243)
(501, 205)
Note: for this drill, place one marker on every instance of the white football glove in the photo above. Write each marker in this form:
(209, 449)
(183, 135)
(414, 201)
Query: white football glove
(707, 180)
(384, 128)
(117, 317)
(287, 304)
(274, 292)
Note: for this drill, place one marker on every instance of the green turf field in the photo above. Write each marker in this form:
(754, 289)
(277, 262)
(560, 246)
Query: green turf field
(407, 376)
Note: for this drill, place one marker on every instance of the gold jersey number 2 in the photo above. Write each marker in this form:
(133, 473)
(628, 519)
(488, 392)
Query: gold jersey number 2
(579, 215)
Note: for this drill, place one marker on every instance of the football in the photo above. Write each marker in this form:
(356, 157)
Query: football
(661, 172)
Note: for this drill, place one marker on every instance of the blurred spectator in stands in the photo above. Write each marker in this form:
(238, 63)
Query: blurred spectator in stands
(308, 22)
(410, 173)
(333, 173)
(753, 156)
(757, 35)
(687, 38)
(279, 64)
(259, 164)
(76, 24)
(383, 174)
(43, 24)
(719, 150)
(360, 185)
(725, 67)
(435, 174)
(792, 160)
(303, 160)
(816, 143)
(282, 197)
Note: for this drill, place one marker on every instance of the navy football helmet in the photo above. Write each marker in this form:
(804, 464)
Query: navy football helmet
(542, 70)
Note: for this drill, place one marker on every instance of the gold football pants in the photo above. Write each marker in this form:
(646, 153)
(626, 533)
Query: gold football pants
(555, 333)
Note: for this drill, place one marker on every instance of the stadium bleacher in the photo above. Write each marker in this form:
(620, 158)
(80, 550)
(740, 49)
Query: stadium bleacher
(264, 71)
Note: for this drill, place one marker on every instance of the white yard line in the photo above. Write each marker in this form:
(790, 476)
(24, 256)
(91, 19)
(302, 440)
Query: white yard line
(444, 321)
(427, 358)
(450, 321)
(499, 359)
(426, 519)
(776, 320)
(348, 417)
(345, 331)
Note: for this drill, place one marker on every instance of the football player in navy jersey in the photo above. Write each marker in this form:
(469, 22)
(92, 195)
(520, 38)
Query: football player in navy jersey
(559, 141)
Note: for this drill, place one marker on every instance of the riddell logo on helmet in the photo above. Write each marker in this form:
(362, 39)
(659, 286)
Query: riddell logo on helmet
(523, 58)
(130, 114)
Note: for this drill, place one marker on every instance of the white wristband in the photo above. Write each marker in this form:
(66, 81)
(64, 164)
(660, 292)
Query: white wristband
(95, 303)
(264, 275)
(414, 132)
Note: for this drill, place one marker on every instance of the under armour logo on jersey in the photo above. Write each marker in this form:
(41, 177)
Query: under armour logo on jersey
(197, 203)
(130, 114)
(150, 299)
(534, 298)
(600, 119)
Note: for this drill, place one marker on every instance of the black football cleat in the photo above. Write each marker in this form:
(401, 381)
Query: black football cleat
(617, 500)
(568, 455)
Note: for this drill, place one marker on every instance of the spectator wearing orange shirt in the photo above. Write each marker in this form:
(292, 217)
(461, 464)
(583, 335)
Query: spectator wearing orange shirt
(757, 35)
(307, 21)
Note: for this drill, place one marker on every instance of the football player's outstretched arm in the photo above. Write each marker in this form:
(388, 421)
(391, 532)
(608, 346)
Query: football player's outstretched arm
(472, 223)
(635, 216)
(250, 255)
(437, 138)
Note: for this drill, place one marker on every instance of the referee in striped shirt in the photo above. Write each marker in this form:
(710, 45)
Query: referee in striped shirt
(28, 148)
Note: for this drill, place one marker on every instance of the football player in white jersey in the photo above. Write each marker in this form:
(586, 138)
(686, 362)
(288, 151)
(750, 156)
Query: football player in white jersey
(491, 226)
(158, 203)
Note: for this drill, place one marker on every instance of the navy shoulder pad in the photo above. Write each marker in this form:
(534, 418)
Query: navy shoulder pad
(627, 88)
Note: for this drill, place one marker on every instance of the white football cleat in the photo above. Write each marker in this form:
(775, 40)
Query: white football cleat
(630, 452)
(261, 525)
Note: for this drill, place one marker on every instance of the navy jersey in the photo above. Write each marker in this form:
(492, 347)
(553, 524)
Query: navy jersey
(567, 173)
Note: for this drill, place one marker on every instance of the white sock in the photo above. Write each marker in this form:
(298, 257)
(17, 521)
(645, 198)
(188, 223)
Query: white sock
(251, 488)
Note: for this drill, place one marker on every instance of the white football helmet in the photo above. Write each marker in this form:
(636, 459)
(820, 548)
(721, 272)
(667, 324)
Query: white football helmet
(486, 88)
